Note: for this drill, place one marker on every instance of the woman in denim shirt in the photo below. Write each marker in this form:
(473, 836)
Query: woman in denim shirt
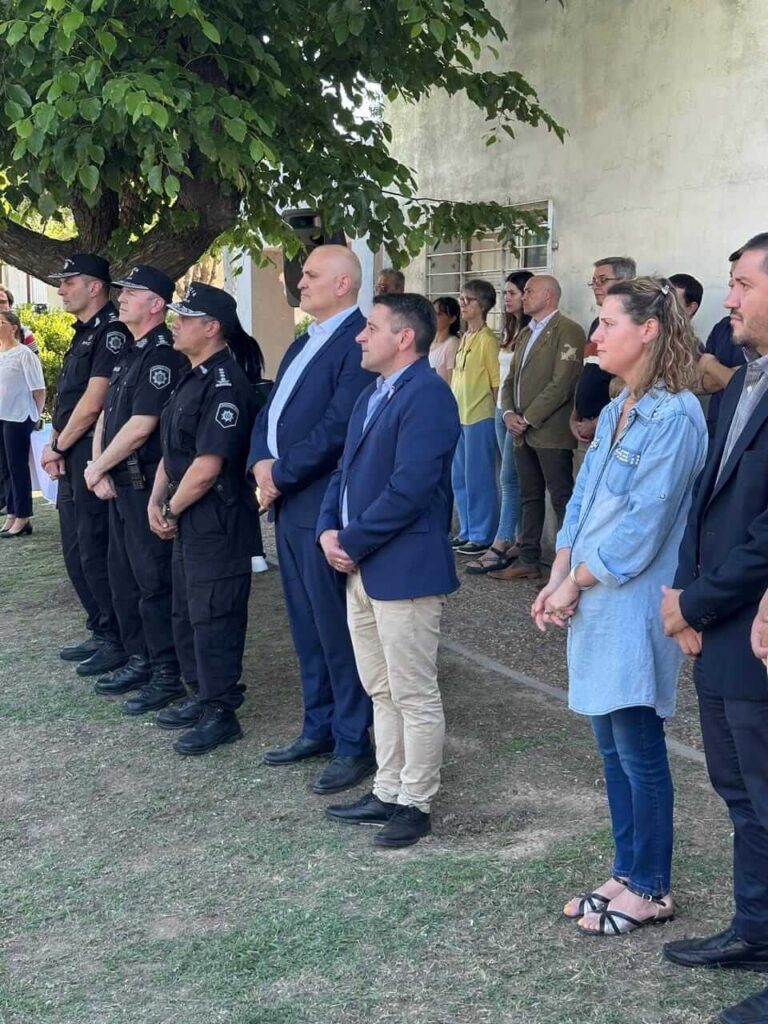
(617, 547)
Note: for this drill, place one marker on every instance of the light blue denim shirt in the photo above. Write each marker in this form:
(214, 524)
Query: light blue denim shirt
(625, 521)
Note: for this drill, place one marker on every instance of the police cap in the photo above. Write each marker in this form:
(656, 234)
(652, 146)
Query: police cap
(205, 300)
(84, 263)
(148, 279)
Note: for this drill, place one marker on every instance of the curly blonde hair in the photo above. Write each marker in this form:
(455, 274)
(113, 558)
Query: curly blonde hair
(672, 356)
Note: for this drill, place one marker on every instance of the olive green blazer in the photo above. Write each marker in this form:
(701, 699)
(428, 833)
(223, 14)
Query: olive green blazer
(547, 382)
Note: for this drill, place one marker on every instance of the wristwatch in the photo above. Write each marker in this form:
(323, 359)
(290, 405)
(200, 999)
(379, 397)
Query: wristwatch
(55, 448)
(165, 510)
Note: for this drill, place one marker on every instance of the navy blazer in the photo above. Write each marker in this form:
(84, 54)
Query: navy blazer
(313, 424)
(723, 563)
(397, 475)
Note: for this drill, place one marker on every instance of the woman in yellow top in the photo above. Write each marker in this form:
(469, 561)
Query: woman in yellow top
(475, 384)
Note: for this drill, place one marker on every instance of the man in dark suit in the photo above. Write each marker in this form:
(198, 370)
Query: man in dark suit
(385, 522)
(722, 574)
(297, 441)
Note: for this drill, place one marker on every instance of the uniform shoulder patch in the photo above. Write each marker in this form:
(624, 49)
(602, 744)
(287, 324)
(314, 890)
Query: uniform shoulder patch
(569, 353)
(114, 341)
(222, 380)
(227, 414)
(159, 377)
(162, 339)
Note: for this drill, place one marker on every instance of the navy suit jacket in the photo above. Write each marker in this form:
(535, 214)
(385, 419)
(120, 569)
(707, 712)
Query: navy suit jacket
(313, 423)
(397, 475)
(723, 564)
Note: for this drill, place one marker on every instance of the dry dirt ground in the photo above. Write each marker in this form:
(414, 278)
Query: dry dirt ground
(141, 888)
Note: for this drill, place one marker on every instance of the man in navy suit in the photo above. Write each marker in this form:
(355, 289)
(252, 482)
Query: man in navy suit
(385, 522)
(296, 443)
(722, 574)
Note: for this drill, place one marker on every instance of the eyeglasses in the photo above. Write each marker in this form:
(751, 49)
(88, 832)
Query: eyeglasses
(600, 281)
(464, 300)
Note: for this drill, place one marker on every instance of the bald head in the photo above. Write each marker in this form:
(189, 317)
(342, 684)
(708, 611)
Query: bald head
(330, 281)
(541, 296)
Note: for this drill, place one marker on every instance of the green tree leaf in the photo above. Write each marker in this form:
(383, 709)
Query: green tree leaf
(89, 177)
(72, 21)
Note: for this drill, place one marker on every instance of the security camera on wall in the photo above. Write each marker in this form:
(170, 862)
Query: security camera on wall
(308, 225)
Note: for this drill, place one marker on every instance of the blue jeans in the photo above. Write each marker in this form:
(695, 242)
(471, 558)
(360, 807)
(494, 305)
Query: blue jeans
(475, 483)
(508, 482)
(640, 796)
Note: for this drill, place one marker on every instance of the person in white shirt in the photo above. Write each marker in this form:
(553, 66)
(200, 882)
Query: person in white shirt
(22, 396)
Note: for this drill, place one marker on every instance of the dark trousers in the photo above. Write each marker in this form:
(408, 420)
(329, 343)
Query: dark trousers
(84, 520)
(210, 618)
(140, 576)
(335, 705)
(14, 441)
(540, 470)
(640, 796)
(4, 485)
(735, 734)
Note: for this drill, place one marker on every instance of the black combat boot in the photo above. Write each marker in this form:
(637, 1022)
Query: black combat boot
(131, 676)
(218, 725)
(163, 689)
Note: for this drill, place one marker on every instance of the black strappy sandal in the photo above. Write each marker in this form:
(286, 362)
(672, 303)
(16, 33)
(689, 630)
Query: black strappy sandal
(479, 567)
(616, 922)
(591, 902)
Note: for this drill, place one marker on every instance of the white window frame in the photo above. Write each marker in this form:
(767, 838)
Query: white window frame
(510, 261)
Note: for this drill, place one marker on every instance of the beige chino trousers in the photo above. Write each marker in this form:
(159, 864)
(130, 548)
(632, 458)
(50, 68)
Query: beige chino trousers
(395, 645)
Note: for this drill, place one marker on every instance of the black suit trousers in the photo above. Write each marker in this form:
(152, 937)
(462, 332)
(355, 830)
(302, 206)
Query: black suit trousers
(735, 736)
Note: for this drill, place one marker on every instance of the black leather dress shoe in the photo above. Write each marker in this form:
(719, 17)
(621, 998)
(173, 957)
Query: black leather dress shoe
(368, 810)
(163, 689)
(343, 773)
(108, 657)
(79, 652)
(299, 750)
(725, 949)
(134, 673)
(406, 827)
(217, 726)
(752, 1010)
(182, 716)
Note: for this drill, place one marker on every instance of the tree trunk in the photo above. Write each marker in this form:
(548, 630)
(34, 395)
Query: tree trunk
(163, 247)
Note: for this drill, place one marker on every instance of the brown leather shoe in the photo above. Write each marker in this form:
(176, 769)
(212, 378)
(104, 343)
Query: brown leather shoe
(517, 571)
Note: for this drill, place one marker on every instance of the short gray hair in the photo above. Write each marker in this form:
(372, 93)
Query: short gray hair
(624, 267)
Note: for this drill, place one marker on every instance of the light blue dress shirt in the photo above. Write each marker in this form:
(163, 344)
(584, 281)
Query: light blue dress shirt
(319, 334)
(535, 327)
(384, 389)
(625, 522)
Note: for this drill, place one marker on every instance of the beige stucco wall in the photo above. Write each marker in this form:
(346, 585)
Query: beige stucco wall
(666, 154)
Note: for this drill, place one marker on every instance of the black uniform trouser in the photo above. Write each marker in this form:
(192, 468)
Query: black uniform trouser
(735, 734)
(84, 521)
(140, 576)
(210, 618)
(540, 470)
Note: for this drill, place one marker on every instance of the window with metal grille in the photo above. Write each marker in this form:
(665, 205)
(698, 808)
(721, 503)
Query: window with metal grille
(452, 263)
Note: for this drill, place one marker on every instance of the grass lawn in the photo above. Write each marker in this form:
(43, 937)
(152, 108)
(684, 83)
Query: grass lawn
(142, 888)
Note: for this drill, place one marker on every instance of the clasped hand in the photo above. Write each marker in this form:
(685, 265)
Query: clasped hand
(335, 555)
(515, 424)
(557, 602)
(262, 474)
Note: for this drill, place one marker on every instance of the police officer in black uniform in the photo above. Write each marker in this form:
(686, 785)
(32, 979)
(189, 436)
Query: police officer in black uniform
(202, 501)
(126, 452)
(98, 340)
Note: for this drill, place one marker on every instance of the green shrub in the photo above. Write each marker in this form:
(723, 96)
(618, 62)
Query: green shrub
(53, 333)
(303, 326)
